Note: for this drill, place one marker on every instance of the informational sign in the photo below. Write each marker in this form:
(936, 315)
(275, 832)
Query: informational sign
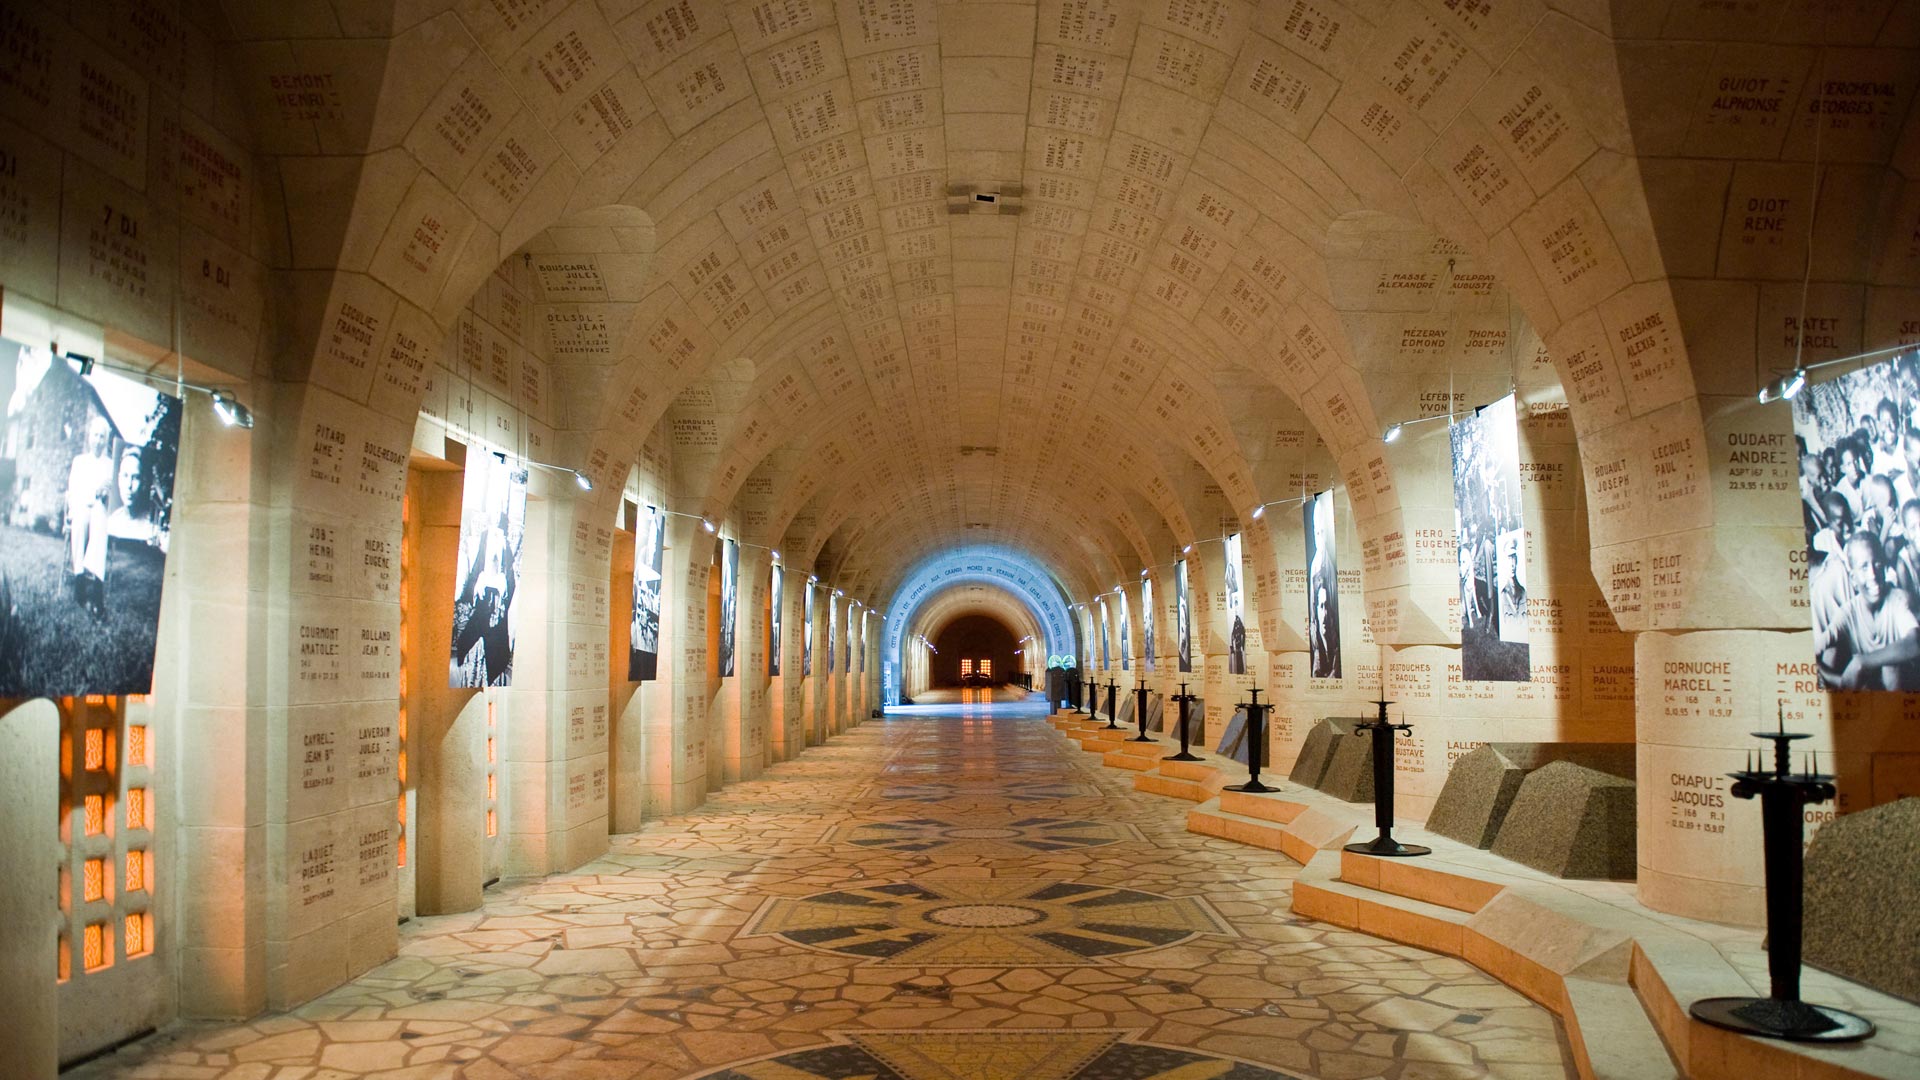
(1323, 587)
(1492, 545)
(649, 543)
(1236, 602)
(1182, 617)
(1146, 620)
(1860, 499)
(86, 470)
(493, 525)
(775, 593)
(729, 604)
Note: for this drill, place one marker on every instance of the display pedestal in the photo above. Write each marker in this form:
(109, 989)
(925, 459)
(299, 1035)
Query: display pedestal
(1256, 740)
(1783, 797)
(1186, 701)
(1384, 844)
(1140, 713)
(1113, 712)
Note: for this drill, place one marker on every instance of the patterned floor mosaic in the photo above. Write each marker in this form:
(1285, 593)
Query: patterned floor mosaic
(758, 937)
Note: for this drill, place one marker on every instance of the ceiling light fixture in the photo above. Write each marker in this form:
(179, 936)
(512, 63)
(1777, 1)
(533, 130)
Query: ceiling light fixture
(228, 409)
(1393, 433)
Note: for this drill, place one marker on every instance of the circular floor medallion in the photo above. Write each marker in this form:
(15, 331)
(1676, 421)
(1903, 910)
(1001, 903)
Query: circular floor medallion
(984, 916)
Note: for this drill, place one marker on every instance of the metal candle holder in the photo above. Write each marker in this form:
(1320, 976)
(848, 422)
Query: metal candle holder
(1079, 699)
(1256, 737)
(1186, 701)
(1113, 714)
(1781, 1014)
(1093, 697)
(1384, 844)
(1140, 713)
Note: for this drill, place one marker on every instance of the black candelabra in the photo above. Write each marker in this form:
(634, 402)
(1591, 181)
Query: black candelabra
(1256, 739)
(1383, 732)
(1140, 712)
(1093, 696)
(1185, 701)
(1781, 1014)
(1113, 714)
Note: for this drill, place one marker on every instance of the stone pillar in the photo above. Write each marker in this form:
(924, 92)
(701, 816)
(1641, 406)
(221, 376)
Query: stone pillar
(674, 739)
(625, 703)
(30, 854)
(556, 737)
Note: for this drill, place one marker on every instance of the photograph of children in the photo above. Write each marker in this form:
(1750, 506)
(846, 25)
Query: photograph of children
(1230, 570)
(1146, 620)
(1323, 588)
(493, 525)
(1859, 448)
(774, 595)
(649, 542)
(1492, 545)
(729, 604)
(1182, 618)
(87, 461)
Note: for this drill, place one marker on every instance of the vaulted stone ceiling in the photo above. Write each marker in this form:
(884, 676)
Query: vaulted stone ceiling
(1091, 279)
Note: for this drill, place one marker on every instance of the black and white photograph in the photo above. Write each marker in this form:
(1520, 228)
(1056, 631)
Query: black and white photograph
(833, 615)
(493, 525)
(775, 593)
(1146, 622)
(806, 634)
(87, 461)
(1323, 587)
(1126, 633)
(1859, 448)
(649, 542)
(729, 604)
(1182, 619)
(1104, 661)
(1236, 596)
(853, 639)
(1492, 545)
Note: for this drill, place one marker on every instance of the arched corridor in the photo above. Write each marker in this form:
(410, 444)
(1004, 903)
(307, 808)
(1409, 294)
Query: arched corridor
(501, 501)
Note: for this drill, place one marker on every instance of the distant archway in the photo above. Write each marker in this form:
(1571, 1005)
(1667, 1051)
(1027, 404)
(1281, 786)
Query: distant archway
(1003, 567)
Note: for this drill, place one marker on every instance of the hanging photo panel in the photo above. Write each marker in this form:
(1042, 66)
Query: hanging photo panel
(1104, 661)
(1859, 449)
(649, 542)
(1236, 599)
(1323, 587)
(1492, 538)
(1182, 618)
(729, 604)
(1126, 634)
(775, 593)
(493, 524)
(806, 635)
(1146, 620)
(86, 467)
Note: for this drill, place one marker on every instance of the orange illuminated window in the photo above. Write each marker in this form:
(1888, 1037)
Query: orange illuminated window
(139, 934)
(966, 668)
(63, 960)
(986, 668)
(93, 880)
(493, 823)
(96, 951)
(96, 812)
(96, 752)
(138, 870)
(139, 813)
(137, 745)
(490, 757)
(492, 787)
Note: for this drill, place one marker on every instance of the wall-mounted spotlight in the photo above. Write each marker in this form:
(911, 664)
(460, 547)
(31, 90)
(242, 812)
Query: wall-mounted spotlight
(708, 525)
(1786, 387)
(581, 479)
(225, 406)
(1186, 549)
(1392, 433)
(1259, 511)
(811, 580)
(1143, 575)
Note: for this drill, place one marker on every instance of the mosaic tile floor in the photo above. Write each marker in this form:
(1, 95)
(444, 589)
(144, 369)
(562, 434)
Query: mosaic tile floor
(934, 897)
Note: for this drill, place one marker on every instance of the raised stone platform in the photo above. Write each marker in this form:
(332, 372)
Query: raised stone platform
(1317, 753)
(1572, 822)
(1481, 786)
(1862, 871)
(1349, 775)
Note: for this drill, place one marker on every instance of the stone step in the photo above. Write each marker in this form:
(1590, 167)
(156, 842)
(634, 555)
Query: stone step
(1265, 807)
(1124, 759)
(1159, 782)
(1208, 819)
(1418, 881)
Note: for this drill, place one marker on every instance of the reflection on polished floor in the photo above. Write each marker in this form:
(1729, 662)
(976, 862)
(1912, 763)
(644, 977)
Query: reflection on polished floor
(955, 894)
